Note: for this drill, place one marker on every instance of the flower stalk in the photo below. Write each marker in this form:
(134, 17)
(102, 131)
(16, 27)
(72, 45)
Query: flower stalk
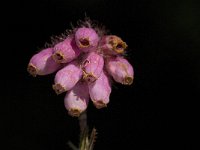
(86, 141)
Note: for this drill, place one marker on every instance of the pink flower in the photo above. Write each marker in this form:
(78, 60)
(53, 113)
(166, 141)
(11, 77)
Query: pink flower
(100, 91)
(86, 39)
(83, 54)
(92, 66)
(112, 45)
(42, 63)
(76, 100)
(120, 69)
(66, 51)
(67, 77)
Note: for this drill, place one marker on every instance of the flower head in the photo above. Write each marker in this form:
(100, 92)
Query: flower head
(88, 61)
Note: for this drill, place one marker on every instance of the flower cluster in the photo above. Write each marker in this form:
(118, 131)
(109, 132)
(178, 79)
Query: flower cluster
(86, 62)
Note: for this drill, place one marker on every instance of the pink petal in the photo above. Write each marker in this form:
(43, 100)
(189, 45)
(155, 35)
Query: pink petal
(66, 51)
(92, 66)
(76, 100)
(86, 39)
(112, 45)
(42, 63)
(120, 69)
(100, 91)
(67, 77)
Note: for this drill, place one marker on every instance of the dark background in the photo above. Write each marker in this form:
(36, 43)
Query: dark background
(156, 112)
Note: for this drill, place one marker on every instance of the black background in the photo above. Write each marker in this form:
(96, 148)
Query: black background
(156, 112)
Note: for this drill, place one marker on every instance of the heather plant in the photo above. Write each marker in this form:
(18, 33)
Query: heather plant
(86, 61)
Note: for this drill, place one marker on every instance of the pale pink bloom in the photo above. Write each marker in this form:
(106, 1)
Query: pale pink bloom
(67, 77)
(81, 57)
(66, 50)
(42, 63)
(76, 100)
(86, 39)
(100, 91)
(120, 69)
(92, 66)
(112, 45)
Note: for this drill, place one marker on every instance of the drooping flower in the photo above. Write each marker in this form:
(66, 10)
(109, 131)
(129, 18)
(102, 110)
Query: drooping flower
(100, 91)
(92, 66)
(66, 50)
(76, 100)
(120, 69)
(86, 39)
(42, 63)
(112, 45)
(67, 77)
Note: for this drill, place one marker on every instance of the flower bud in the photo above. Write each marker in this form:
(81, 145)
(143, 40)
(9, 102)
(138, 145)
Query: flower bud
(76, 100)
(112, 45)
(86, 39)
(120, 69)
(67, 77)
(100, 91)
(66, 51)
(92, 66)
(42, 63)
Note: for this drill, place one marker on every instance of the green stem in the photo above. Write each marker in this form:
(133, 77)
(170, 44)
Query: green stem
(86, 141)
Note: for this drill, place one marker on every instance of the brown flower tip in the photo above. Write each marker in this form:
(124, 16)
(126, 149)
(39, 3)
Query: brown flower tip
(89, 77)
(128, 80)
(58, 88)
(58, 57)
(74, 112)
(99, 104)
(32, 70)
(118, 45)
(84, 42)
